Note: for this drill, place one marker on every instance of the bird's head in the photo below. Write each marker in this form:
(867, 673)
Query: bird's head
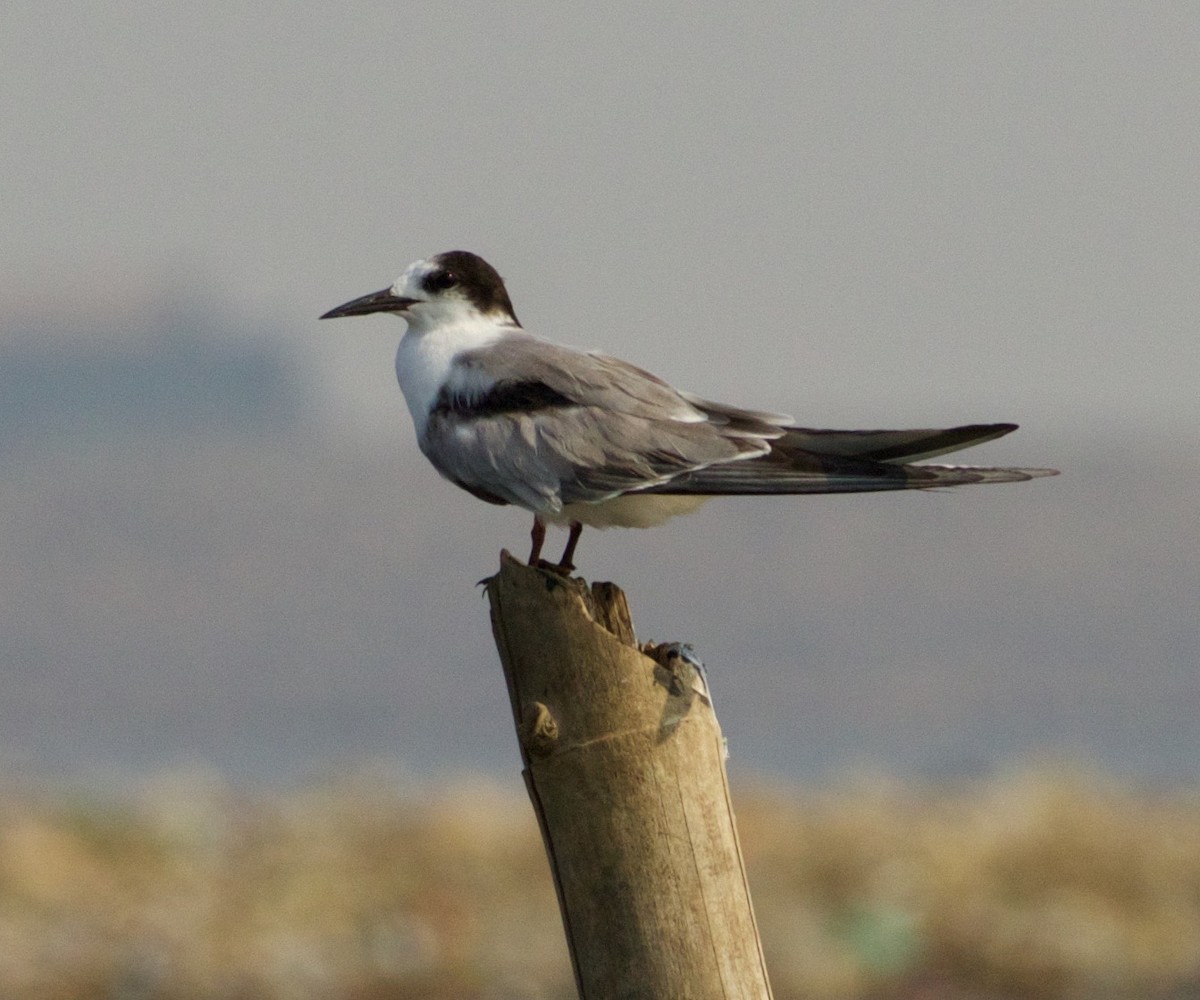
(452, 288)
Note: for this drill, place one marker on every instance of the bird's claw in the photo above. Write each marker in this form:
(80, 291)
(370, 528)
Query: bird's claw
(559, 569)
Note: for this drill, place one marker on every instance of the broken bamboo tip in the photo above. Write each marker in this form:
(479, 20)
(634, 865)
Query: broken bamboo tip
(603, 602)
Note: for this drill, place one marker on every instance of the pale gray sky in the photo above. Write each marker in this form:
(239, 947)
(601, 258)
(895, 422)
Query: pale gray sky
(857, 212)
(862, 214)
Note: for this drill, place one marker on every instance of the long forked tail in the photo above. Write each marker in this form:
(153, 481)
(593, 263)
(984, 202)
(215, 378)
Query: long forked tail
(804, 460)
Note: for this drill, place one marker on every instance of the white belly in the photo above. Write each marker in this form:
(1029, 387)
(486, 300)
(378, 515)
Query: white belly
(633, 510)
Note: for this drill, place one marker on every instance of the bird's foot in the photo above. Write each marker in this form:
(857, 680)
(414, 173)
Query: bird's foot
(559, 569)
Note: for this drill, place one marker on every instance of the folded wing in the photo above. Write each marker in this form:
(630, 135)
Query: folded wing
(543, 426)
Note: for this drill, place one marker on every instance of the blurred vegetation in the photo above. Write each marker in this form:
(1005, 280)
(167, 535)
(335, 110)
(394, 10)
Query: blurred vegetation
(1044, 883)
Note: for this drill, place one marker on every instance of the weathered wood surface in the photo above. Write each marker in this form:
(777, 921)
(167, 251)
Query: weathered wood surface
(624, 762)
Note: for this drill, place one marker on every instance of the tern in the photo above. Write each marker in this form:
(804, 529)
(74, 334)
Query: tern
(579, 438)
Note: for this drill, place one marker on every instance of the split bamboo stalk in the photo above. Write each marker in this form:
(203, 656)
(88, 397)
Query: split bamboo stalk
(625, 766)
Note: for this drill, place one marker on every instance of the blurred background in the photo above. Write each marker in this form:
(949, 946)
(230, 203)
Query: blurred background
(231, 583)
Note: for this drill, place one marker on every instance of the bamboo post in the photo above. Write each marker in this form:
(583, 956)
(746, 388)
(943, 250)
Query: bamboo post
(625, 766)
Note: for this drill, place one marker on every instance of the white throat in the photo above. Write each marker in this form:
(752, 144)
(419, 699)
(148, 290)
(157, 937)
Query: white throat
(425, 357)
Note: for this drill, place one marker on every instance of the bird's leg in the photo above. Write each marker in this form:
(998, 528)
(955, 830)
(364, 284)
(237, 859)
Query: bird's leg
(538, 534)
(565, 563)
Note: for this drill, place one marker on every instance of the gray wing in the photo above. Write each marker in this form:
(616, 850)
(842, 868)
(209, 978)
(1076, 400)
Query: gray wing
(876, 446)
(553, 426)
(809, 460)
(590, 378)
(545, 425)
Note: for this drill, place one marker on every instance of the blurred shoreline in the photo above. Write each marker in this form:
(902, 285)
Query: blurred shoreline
(1041, 882)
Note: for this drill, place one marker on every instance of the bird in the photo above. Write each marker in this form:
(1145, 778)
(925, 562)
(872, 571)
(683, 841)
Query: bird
(581, 438)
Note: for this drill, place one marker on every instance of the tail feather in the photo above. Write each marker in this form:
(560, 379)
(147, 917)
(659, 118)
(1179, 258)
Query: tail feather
(821, 461)
(760, 478)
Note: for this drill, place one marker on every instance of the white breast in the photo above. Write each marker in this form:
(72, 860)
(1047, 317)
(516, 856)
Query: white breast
(425, 364)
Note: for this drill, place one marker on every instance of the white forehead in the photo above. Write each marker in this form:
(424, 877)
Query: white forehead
(409, 283)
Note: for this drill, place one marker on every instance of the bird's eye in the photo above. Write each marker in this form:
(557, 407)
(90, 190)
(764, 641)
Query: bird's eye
(439, 281)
